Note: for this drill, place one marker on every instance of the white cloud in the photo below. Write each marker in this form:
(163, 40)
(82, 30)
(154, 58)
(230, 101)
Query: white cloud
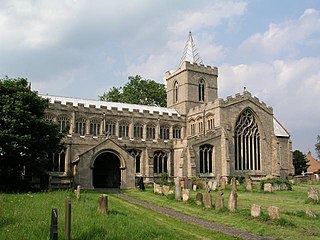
(284, 38)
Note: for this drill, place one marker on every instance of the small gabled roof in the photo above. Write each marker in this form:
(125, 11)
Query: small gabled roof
(190, 53)
(279, 130)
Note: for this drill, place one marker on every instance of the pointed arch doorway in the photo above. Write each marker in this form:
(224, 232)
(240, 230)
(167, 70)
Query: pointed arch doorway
(106, 171)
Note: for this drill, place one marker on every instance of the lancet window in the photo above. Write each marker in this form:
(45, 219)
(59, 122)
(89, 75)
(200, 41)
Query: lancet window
(63, 123)
(164, 132)
(160, 162)
(247, 142)
(110, 128)
(95, 127)
(201, 90)
(151, 132)
(205, 158)
(123, 130)
(136, 154)
(80, 126)
(59, 160)
(175, 92)
(138, 131)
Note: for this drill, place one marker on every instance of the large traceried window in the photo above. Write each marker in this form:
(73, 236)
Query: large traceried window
(176, 134)
(164, 132)
(175, 92)
(123, 130)
(247, 142)
(80, 126)
(160, 162)
(205, 158)
(138, 131)
(151, 132)
(201, 90)
(48, 118)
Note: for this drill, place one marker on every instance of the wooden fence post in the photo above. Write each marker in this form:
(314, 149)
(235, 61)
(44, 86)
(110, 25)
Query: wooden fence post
(68, 219)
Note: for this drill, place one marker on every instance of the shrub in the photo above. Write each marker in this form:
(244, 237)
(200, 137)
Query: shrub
(278, 181)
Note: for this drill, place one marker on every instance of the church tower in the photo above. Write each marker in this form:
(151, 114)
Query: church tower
(193, 83)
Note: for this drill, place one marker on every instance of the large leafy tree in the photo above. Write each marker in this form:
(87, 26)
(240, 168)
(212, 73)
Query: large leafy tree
(299, 162)
(317, 146)
(26, 139)
(138, 91)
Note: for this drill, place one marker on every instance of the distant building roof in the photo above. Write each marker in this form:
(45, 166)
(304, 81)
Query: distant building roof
(279, 130)
(313, 164)
(109, 105)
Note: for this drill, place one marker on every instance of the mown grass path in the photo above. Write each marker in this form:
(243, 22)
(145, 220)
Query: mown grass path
(193, 220)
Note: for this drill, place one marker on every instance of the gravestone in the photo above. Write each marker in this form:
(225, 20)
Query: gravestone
(103, 204)
(187, 183)
(177, 191)
(249, 185)
(157, 188)
(222, 183)
(313, 194)
(194, 187)
(220, 200)
(185, 195)
(165, 190)
(255, 210)
(199, 198)
(267, 187)
(208, 200)
(233, 199)
(54, 224)
(234, 184)
(77, 192)
(212, 185)
(274, 212)
(141, 184)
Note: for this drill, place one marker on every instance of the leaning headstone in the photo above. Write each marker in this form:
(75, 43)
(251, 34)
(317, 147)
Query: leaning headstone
(103, 204)
(255, 210)
(199, 198)
(310, 214)
(185, 195)
(313, 194)
(208, 200)
(267, 187)
(177, 191)
(187, 183)
(233, 199)
(222, 183)
(220, 200)
(274, 212)
(249, 184)
(77, 192)
(165, 190)
(234, 184)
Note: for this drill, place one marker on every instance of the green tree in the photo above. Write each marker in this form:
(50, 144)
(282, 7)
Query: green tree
(317, 146)
(138, 91)
(299, 162)
(26, 139)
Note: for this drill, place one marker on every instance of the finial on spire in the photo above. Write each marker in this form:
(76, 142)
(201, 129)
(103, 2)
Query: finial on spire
(190, 53)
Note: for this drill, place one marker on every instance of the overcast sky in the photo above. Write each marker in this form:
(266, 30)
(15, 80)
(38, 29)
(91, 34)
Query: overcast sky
(82, 48)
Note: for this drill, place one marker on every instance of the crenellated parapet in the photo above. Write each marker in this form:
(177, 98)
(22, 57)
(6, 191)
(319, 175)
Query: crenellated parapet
(195, 67)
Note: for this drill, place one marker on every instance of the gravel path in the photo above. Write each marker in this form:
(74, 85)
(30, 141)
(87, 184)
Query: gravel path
(195, 221)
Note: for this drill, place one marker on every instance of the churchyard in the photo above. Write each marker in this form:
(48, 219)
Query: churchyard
(27, 216)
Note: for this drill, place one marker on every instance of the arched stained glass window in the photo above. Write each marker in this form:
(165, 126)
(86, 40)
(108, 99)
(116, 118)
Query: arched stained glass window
(247, 142)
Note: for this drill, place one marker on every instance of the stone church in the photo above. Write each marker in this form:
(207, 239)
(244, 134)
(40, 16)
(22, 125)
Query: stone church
(110, 145)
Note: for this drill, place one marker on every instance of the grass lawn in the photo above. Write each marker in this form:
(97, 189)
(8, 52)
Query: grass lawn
(27, 216)
(294, 224)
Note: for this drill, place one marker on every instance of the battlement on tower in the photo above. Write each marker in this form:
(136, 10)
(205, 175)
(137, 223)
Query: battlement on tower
(194, 67)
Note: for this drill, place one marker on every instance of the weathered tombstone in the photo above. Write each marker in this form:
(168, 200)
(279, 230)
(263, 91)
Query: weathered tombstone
(154, 187)
(177, 191)
(77, 192)
(213, 184)
(313, 194)
(249, 185)
(222, 183)
(274, 212)
(234, 184)
(103, 204)
(310, 213)
(141, 184)
(194, 187)
(267, 187)
(185, 195)
(157, 188)
(233, 199)
(220, 200)
(165, 190)
(208, 200)
(255, 210)
(68, 219)
(54, 224)
(199, 198)
(187, 183)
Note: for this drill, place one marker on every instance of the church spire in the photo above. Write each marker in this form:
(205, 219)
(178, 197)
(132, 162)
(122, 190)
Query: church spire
(190, 53)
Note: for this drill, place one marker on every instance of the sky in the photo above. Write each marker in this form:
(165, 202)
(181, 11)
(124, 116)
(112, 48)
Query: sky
(82, 48)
